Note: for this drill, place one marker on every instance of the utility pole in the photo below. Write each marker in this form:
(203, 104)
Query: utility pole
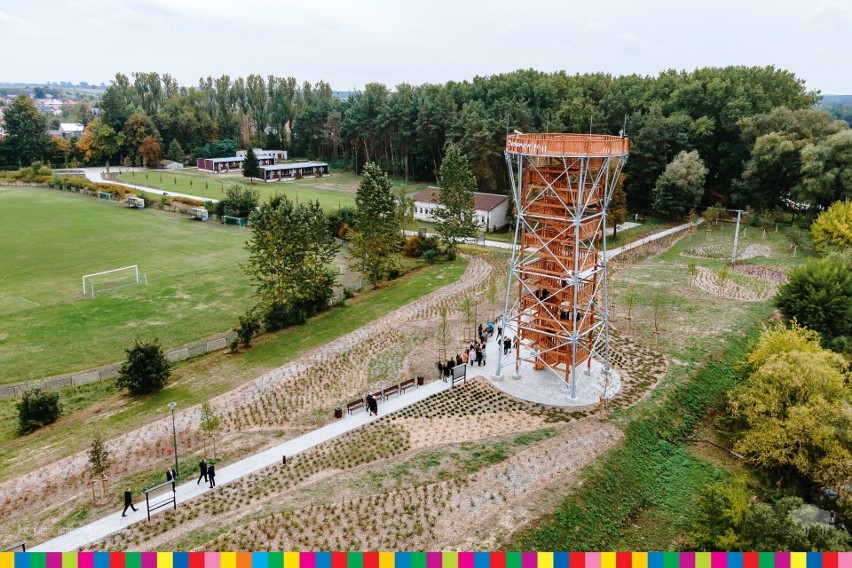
(736, 236)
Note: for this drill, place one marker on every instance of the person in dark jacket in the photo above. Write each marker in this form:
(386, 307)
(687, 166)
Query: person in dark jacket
(128, 502)
(202, 471)
(170, 474)
(211, 474)
(372, 405)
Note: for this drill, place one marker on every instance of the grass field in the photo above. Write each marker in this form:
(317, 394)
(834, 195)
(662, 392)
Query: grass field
(333, 192)
(204, 378)
(50, 240)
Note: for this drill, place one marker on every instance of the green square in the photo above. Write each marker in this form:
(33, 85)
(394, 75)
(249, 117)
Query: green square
(418, 560)
(766, 560)
(133, 560)
(38, 559)
(671, 560)
(354, 560)
(276, 560)
(513, 560)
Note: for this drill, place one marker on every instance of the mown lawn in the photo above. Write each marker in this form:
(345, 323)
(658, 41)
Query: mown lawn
(50, 239)
(104, 408)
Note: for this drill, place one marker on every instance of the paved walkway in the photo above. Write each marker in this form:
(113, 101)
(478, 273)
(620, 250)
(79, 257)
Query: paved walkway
(94, 174)
(115, 522)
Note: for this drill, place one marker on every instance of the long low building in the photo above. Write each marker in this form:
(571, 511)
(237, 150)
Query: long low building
(219, 165)
(490, 208)
(278, 172)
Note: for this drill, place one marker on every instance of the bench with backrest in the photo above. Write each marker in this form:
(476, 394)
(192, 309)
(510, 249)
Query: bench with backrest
(389, 391)
(405, 385)
(356, 404)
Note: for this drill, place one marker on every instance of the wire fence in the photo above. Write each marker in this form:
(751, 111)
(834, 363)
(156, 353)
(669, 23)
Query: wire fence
(111, 371)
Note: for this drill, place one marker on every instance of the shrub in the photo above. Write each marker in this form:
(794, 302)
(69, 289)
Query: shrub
(430, 256)
(146, 368)
(833, 227)
(413, 246)
(819, 296)
(248, 328)
(37, 408)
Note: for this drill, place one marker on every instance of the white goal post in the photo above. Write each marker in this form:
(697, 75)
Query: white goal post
(238, 221)
(112, 279)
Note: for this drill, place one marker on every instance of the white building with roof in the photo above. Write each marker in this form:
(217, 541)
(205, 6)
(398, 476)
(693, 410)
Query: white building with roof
(71, 129)
(490, 208)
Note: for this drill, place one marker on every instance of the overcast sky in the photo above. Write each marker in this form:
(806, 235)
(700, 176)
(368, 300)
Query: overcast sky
(352, 42)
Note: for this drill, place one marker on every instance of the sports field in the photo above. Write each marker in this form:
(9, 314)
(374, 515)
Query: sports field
(49, 240)
(337, 190)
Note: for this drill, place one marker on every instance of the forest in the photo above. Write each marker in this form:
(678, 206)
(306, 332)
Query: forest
(749, 125)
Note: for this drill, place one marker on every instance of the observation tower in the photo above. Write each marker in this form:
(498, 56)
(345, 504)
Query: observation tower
(562, 185)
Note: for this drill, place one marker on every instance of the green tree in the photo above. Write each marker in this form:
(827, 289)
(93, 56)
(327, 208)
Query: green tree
(251, 169)
(729, 517)
(826, 170)
(404, 210)
(137, 129)
(100, 142)
(175, 151)
(455, 212)
(240, 201)
(37, 408)
(832, 229)
(819, 296)
(27, 139)
(99, 456)
(616, 213)
(146, 369)
(377, 236)
(791, 413)
(681, 185)
(291, 257)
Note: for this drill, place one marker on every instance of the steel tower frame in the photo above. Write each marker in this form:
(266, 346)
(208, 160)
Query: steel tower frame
(562, 185)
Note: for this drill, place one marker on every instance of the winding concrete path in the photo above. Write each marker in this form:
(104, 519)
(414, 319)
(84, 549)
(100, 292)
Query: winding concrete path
(114, 522)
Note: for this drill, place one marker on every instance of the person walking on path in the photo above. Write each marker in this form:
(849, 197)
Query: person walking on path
(128, 502)
(211, 474)
(372, 405)
(202, 471)
(170, 474)
(507, 344)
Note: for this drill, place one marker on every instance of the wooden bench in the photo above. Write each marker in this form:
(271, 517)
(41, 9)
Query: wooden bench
(405, 385)
(354, 405)
(391, 390)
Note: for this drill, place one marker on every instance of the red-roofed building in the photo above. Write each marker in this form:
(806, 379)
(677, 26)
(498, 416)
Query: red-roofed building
(490, 208)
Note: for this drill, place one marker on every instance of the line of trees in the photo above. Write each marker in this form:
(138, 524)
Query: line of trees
(724, 114)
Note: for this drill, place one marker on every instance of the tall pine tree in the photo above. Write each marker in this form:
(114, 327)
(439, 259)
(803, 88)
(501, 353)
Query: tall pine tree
(456, 204)
(378, 226)
(251, 169)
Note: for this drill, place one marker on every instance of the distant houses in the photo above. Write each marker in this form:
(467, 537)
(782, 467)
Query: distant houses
(278, 172)
(490, 208)
(71, 129)
(269, 170)
(221, 165)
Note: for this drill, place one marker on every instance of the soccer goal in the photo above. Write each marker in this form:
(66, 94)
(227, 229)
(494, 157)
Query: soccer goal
(108, 280)
(238, 221)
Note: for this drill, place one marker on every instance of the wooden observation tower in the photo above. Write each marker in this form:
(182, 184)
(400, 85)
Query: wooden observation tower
(562, 185)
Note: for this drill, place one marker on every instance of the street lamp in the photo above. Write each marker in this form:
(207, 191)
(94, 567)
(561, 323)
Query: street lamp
(174, 435)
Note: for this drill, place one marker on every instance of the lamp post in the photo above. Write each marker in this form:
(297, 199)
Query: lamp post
(174, 435)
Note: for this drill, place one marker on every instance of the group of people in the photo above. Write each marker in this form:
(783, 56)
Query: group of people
(475, 353)
(206, 471)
